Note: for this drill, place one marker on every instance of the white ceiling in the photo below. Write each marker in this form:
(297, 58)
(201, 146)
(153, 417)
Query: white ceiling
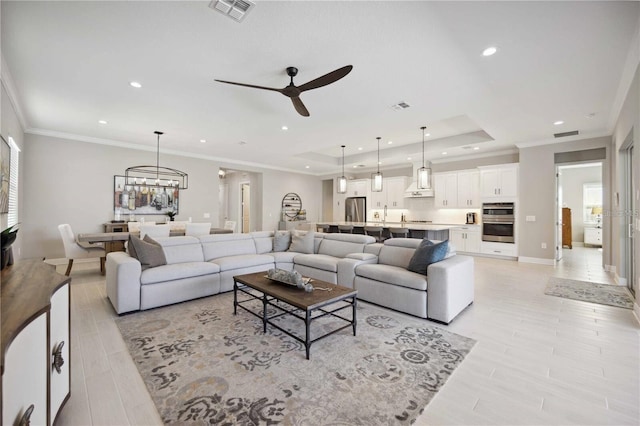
(71, 64)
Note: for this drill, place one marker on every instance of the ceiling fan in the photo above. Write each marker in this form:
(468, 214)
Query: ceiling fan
(292, 91)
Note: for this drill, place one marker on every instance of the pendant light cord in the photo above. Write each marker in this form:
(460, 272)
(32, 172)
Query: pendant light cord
(423, 129)
(378, 153)
(343, 159)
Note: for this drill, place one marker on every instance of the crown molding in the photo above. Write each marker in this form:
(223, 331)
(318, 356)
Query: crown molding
(9, 86)
(226, 162)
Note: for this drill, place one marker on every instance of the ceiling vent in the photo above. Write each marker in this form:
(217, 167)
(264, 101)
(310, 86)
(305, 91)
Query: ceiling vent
(400, 106)
(565, 134)
(234, 9)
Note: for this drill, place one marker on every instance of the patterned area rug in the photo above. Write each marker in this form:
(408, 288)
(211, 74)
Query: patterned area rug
(604, 294)
(203, 365)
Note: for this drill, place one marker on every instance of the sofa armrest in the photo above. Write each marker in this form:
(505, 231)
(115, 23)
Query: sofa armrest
(123, 282)
(450, 287)
(347, 267)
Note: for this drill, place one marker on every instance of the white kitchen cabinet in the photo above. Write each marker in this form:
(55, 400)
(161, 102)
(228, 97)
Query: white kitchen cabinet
(499, 249)
(466, 239)
(498, 183)
(59, 344)
(357, 188)
(392, 194)
(469, 189)
(593, 236)
(446, 190)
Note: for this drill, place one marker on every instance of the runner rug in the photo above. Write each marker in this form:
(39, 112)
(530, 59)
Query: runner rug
(203, 365)
(604, 294)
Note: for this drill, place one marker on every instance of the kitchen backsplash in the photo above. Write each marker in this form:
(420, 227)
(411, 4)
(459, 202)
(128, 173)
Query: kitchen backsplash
(424, 209)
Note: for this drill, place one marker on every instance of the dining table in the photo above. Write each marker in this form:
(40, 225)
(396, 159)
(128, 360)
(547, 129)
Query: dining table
(114, 241)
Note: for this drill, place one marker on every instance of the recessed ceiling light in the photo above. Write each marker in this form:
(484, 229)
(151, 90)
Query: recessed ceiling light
(409, 158)
(102, 121)
(355, 167)
(427, 135)
(242, 143)
(379, 162)
(284, 128)
(135, 84)
(390, 142)
(489, 51)
(306, 167)
(203, 141)
(559, 122)
(359, 148)
(476, 148)
(444, 153)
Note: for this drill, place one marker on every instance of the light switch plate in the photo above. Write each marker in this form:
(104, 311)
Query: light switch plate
(530, 218)
(207, 215)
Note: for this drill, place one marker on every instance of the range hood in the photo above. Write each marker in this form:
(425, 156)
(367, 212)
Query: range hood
(412, 190)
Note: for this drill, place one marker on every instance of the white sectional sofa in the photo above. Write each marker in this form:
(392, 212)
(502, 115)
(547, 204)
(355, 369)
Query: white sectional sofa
(203, 266)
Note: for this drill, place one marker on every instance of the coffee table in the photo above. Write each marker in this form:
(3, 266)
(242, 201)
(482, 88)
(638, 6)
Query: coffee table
(304, 305)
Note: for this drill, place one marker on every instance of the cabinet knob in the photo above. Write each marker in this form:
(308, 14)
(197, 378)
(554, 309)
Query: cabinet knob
(58, 361)
(25, 420)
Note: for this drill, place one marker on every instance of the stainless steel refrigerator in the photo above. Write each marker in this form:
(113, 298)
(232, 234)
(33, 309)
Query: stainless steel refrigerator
(355, 209)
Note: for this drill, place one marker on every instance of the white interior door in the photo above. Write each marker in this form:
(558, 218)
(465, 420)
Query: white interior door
(630, 206)
(246, 207)
(558, 214)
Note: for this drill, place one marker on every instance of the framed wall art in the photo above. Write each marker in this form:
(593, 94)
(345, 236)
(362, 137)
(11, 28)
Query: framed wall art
(137, 197)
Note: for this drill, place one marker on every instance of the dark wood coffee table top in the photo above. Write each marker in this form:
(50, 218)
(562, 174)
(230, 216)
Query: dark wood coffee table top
(295, 296)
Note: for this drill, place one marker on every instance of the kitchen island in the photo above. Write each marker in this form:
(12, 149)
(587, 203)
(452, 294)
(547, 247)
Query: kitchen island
(432, 231)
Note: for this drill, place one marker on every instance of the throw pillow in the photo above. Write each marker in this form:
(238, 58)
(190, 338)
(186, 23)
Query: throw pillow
(148, 251)
(281, 240)
(426, 254)
(302, 243)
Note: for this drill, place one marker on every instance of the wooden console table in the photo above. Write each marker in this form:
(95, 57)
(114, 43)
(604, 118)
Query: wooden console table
(34, 357)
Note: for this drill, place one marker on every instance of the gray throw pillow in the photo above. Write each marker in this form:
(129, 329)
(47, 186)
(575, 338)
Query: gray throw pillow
(426, 254)
(148, 251)
(281, 240)
(302, 243)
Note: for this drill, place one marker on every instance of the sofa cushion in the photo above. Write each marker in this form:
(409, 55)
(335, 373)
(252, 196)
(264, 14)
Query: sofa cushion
(181, 249)
(281, 241)
(426, 254)
(394, 275)
(302, 242)
(230, 263)
(148, 251)
(284, 256)
(178, 271)
(339, 248)
(222, 245)
(263, 241)
(318, 261)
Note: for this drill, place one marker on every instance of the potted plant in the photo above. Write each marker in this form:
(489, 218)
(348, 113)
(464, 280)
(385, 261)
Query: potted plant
(8, 236)
(172, 215)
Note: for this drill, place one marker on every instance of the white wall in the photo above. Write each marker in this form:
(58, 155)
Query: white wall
(573, 180)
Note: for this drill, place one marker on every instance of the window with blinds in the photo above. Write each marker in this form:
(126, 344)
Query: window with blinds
(12, 217)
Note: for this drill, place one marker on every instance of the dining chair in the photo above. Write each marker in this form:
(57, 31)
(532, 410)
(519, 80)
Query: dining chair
(197, 229)
(135, 226)
(345, 229)
(73, 250)
(154, 230)
(178, 225)
(399, 232)
(230, 224)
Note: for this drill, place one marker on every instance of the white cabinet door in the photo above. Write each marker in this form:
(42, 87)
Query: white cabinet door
(465, 239)
(59, 343)
(498, 183)
(394, 188)
(357, 188)
(489, 183)
(473, 241)
(24, 381)
(446, 190)
(378, 199)
(456, 237)
(469, 189)
(508, 182)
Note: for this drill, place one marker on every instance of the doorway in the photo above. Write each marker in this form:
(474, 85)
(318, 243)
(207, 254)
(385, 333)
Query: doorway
(579, 209)
(630, 206)
(245, 197)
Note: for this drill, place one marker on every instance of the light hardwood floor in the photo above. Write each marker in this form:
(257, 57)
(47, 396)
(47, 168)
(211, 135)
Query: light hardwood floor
(539, 359)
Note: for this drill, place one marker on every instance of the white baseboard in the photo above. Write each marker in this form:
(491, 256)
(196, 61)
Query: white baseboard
(537, 260)
(577, 243)
(636, 311)
(620, 280)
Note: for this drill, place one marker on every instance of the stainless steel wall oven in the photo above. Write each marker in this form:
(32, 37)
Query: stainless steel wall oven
(498, 222)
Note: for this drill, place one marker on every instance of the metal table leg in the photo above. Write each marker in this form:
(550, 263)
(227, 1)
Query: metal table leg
(354, 306)
(307, 338)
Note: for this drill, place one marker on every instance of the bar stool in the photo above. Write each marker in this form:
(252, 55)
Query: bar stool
(345, 229)
(322, 228)
(374, 231)
(399, 232)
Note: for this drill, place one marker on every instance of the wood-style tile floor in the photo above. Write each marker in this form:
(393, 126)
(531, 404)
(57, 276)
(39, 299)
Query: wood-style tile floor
(539, 360)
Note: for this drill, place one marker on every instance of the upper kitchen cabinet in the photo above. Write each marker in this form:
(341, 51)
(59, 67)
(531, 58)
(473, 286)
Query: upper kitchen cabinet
(469, 189)
(358, 188)
(392, 195)
(446, 190)
(499, 182)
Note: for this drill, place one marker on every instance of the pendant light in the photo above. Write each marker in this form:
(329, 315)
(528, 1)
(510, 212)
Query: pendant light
(376, 178)
(424, 173)
(342, 181)
(166, 177)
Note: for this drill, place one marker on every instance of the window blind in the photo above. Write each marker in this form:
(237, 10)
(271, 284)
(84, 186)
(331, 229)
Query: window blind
(12, 217)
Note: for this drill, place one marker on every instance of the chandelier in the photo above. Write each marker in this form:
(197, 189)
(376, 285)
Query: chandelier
(156, 175)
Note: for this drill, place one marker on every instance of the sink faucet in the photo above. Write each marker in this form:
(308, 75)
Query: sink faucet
(384, 218)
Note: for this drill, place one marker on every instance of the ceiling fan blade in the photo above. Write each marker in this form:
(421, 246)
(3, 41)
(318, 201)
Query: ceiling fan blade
(299, 106)
(333, 76)
(250, 85)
